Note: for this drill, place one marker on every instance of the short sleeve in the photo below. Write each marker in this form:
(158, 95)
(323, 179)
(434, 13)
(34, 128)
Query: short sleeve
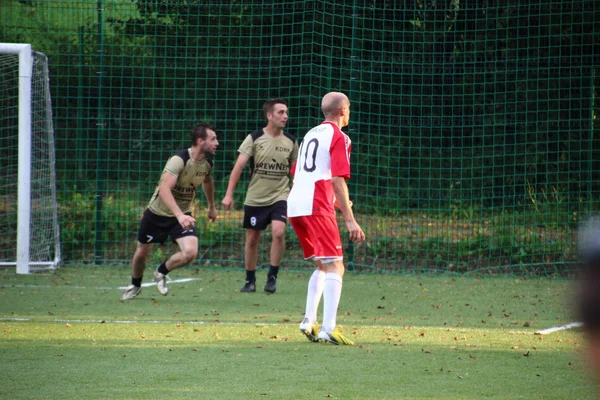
(247, 146)
(340, 156)
(174, 165)
(294, 153)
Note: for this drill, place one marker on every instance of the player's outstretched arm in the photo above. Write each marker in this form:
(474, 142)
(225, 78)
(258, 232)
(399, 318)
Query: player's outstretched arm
(340, 189)
(164, 191)
(236, 173)
(209, 191)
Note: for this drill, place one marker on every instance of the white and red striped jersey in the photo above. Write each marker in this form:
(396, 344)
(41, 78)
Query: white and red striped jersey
(323, 154)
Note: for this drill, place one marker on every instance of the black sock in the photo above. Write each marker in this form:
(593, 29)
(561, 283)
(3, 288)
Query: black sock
(163, 269)
(136, 281)
(250, 276)
(273, 271)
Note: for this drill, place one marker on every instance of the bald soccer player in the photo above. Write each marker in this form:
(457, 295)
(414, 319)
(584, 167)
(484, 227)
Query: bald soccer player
(319, 187)
(271, 152)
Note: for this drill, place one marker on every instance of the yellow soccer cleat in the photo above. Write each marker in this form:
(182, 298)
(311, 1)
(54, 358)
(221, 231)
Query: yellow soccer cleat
(309, 329)
(334, 337)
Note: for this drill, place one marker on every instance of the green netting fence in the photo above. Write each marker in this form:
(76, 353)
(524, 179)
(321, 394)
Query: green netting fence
(475, 146)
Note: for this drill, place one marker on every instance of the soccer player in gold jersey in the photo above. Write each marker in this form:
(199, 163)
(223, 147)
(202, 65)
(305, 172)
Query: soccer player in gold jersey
(169, 211)
(271, 152)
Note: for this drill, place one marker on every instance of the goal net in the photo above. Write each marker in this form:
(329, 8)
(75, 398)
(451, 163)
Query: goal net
(29, 233)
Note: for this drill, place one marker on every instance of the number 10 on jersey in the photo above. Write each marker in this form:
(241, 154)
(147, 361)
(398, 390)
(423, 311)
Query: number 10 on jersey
(308, 154)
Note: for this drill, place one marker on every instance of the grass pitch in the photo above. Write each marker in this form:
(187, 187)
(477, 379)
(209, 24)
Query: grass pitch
(68, 335)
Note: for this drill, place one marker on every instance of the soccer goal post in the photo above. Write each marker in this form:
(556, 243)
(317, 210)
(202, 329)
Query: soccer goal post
(28, 207)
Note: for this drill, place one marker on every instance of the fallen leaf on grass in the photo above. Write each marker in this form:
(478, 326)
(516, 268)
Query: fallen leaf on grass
(68, 326)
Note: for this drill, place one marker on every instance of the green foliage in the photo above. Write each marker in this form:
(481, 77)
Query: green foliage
(461, 111)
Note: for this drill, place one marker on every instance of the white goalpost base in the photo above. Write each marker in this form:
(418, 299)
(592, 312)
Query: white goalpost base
(46, 257)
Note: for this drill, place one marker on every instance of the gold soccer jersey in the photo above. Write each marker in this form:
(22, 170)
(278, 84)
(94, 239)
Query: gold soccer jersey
(190, 176)
(270, 162)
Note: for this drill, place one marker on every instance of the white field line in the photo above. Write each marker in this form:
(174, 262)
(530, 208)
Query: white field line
(559, 328)
(127, 321)
(94, 287)
(225, 323)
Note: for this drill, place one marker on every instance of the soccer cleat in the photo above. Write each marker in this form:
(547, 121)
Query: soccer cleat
(131, 292)
(309, 330)
(249, 287)
(270, 285)
(334, 337)
(161, 282)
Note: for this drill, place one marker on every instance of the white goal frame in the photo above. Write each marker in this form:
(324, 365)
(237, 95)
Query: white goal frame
(23, 263)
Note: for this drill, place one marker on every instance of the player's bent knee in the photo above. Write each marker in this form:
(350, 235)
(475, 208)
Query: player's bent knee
(333, 264)
(142, 250)
(279, 235)
(253, 238)
(190, 255)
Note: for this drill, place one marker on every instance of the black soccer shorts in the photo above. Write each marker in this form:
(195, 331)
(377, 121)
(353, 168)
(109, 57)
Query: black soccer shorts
(258, 218)
(156, 228)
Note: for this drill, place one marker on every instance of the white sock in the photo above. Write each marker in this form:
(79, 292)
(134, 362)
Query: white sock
(331, 300)
(315, 291)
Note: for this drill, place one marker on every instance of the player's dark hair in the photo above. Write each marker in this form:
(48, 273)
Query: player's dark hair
(200, 131)
(270, 105)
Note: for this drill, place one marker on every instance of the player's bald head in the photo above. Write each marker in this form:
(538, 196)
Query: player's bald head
(332, 102)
